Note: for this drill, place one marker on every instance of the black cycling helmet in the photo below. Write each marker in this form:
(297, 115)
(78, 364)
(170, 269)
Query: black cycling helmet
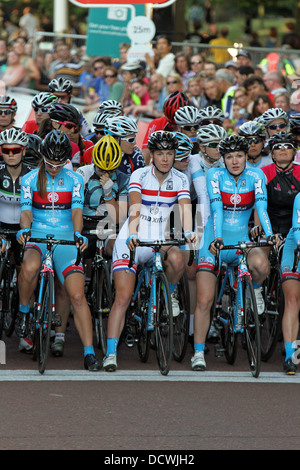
(282, 138)
(233, 143)
(66, 113)
(294, 121)
(162, 140)
(56, 146)
(33, 150)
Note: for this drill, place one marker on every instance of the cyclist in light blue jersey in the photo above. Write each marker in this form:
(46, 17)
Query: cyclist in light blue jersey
(291, 289)
(51, 203)
(233, 191)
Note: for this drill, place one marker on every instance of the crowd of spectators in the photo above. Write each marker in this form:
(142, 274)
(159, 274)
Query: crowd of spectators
(241, 88)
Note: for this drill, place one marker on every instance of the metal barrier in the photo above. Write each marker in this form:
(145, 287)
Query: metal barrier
(46, 41)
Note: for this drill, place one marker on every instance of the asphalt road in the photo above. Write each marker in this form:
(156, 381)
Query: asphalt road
(136, 408)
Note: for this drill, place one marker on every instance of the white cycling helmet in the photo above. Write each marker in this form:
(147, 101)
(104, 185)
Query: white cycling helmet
(120, 126)
(8, 102)
(211, 113)
(44, 100)
(210, 133)
(187, 116)
(14, 136)
(111, 107)
(271, 114)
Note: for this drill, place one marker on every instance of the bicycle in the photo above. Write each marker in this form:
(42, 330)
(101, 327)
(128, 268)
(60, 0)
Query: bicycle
(8, 287)
(99, 290)
(151, 307)
(44, 317)
(273, 296)
(236, 310)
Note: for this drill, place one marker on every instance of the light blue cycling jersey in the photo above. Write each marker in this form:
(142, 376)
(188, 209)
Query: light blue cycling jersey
(232, 202)
(53, 215)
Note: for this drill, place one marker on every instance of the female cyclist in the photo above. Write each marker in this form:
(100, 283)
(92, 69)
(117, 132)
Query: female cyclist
(233, 191)
(153, 191)
(51, 203)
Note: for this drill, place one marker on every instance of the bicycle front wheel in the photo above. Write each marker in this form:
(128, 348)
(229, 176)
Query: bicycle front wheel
(163, 324)
(181, 323)
(251, 327)
(103, 303)
(10, 299)
(271, 319)
(44, 322)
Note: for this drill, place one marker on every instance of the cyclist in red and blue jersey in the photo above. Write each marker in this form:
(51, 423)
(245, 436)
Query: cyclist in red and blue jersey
(291, 289)
(233, 192)
(153, 191)
(51, 203)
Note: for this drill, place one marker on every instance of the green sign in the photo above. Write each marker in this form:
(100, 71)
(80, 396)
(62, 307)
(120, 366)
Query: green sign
(107, 28)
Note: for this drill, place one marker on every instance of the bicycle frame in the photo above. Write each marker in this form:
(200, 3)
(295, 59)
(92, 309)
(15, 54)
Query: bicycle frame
(239, 305)
(148, 273)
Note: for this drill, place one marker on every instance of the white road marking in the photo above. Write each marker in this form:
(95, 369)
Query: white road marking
(145, 376)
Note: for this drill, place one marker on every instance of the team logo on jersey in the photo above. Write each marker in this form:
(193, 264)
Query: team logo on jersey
(53, 197)
(215, 187)
(27, 192)
(258, 187)
(298, 215)
(76, 190)
(169, 185)
(5, 184)
(235, 198)
(60, 182)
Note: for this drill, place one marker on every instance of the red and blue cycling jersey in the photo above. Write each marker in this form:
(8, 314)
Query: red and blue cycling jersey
(231, 204)
(52, 214)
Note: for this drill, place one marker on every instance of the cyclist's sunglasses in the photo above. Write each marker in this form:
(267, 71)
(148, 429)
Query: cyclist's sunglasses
(13, 150)
(99, 131)
(286, 146)
(6, 112)
(192, 127)
(59, 165)
(212, 145)
(206, 122)
(129, 140)
(36, 109)
(254, 140)
(273, 127)
(68, 125)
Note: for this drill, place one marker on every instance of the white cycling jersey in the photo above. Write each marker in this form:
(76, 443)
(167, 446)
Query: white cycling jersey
(157, 204)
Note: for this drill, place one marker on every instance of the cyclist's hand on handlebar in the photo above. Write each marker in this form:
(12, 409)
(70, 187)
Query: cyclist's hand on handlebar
(81, 241)
(191, 237)
(255, 232)
(132, 241)
(23, 235)
(275, 239)
(216, 245)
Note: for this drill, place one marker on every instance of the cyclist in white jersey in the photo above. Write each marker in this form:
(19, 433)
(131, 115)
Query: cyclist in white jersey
(153, 191)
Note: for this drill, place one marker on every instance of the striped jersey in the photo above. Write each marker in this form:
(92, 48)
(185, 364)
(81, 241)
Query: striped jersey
(157, 200)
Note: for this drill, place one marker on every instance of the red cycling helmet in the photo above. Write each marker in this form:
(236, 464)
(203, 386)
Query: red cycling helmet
(173, 102)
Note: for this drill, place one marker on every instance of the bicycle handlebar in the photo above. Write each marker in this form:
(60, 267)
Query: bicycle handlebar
(157, 244)
(100, 232)
(242, 246)
(53, 241)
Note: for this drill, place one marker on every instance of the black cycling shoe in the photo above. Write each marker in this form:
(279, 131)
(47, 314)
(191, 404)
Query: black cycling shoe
(22, 324)
(91, 363)
(289, 367)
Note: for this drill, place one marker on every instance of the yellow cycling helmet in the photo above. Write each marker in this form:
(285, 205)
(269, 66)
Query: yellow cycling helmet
(107, 153)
